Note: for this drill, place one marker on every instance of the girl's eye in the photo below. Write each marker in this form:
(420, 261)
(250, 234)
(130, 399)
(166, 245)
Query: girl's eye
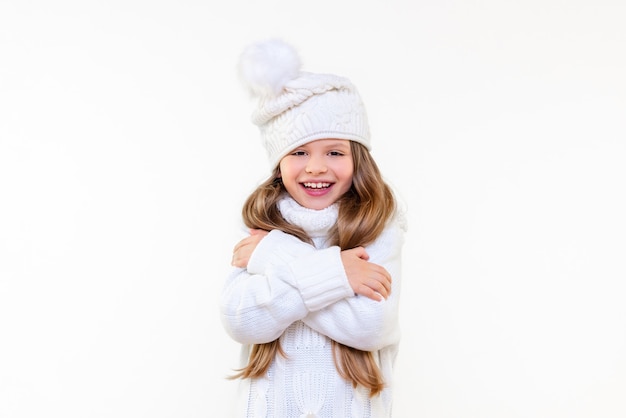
(298, 153)
(335, 153)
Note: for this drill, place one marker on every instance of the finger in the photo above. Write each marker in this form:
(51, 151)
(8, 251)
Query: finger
(239, 262)
(386, 283)
(384, 277)
(240, 244)
(380, 288)
(359, 252)
(363, 255)
(368, 292)
(243, 243)
(382, 283)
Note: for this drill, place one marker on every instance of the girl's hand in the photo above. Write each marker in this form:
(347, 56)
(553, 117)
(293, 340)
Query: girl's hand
(366, 279)
(244, 248)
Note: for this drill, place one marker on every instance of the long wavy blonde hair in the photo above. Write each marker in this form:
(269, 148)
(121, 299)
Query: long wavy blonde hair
(363, 212)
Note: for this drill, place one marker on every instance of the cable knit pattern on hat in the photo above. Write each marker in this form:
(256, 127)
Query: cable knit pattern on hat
(303, 108)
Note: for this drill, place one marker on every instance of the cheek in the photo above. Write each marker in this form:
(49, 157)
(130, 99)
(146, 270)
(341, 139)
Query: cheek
(347, 173)
(290, 168)
(285, 172)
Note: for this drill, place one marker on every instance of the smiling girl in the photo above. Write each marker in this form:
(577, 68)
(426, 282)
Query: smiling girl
(314, 292)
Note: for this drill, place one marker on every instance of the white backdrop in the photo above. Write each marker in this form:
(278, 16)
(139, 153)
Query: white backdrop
(126, 151)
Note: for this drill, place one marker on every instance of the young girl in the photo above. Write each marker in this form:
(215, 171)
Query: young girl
(313, 296)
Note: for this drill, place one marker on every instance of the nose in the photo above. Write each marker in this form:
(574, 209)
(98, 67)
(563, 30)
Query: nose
(315, 165)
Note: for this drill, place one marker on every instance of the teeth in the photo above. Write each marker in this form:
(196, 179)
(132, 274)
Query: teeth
(316, 185)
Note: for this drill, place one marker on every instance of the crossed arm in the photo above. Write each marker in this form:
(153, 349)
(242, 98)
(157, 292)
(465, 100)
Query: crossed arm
(367, 279)
(347, 295)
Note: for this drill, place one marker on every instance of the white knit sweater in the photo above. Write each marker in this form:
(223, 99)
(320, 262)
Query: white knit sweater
(300, 293)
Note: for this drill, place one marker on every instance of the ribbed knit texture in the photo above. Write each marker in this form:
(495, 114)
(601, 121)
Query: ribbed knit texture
(302, 296)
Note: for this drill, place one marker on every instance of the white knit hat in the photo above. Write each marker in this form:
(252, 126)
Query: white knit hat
(297, 107)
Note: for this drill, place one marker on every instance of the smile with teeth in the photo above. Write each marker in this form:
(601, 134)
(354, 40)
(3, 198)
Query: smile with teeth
(316, 185)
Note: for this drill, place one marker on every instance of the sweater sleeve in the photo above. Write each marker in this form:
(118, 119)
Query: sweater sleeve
(358, 321)
(285, 280)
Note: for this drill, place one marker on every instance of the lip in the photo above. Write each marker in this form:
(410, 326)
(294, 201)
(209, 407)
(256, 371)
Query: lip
(315, 191)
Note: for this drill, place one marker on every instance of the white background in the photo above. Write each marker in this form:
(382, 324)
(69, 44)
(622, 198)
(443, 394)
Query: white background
(126, 151)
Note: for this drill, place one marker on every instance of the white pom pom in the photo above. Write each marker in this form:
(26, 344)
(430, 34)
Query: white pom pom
(266, 67)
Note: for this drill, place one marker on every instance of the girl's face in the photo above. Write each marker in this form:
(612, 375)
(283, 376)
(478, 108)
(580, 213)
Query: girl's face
(318, 173)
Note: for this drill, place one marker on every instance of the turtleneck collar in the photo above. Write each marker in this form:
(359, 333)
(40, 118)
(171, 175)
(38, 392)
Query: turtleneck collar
(316, 223)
